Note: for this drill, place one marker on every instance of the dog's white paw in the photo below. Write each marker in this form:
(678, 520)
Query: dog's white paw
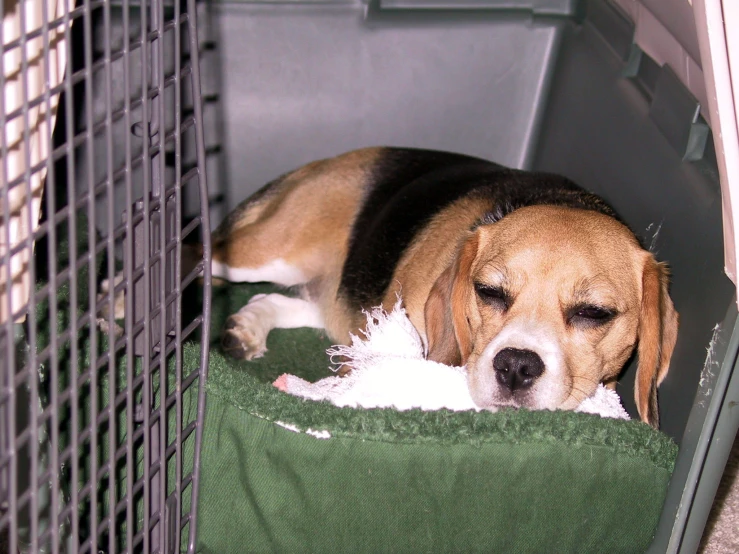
(244, 338)
(119, 306)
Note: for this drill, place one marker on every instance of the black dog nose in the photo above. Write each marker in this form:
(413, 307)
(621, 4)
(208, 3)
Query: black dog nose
(517, 369)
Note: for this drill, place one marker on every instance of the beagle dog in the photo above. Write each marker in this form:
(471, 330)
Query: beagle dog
(531, 282)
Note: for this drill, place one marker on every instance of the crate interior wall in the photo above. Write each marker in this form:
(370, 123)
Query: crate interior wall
(550, 85)
(100, 414)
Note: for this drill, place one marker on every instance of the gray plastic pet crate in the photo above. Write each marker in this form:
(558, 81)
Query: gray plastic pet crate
(557, 85)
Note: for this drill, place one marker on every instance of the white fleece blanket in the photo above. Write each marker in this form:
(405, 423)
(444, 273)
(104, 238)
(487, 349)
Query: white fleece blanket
(389, 371)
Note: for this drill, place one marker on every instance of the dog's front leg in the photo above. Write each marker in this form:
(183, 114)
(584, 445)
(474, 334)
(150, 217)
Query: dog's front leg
(245, 333)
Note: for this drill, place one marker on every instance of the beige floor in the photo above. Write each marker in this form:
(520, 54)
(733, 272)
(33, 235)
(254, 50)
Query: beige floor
(722, 530)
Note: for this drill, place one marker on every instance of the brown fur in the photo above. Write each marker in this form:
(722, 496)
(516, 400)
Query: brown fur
(447, 327)
(658, 324)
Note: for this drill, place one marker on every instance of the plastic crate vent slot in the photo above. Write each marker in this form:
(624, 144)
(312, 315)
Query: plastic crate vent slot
(673, 108)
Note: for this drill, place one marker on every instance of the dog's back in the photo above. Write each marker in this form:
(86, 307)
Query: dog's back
(349, 221)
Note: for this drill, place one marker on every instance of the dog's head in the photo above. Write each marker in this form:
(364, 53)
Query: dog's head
(547, 303)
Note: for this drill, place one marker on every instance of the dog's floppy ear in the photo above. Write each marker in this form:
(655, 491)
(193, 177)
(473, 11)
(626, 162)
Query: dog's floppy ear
(658, 323)
(447, 326)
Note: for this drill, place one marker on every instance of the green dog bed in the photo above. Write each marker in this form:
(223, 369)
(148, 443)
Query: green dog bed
(282, 474)
(383, 481)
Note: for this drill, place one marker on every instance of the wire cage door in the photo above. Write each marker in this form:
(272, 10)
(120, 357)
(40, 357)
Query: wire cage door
(104, 276)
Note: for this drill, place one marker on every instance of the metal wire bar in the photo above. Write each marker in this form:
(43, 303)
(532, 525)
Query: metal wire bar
(32, 383)
(91, 255)
(11, 469)
(73, 389)
(109, 200)
(53, 513)
(147, 395)
(179, 437)
(158, 189)
(128, 269)
(205, 215)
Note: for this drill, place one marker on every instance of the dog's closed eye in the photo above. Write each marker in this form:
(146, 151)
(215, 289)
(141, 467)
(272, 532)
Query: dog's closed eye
(589, 316)
(496, 297)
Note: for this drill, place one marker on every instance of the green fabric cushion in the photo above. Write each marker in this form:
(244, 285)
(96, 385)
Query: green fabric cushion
(388, 481)
(268, 489)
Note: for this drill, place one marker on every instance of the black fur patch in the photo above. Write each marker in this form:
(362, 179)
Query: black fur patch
(518, 189)
(408, 187)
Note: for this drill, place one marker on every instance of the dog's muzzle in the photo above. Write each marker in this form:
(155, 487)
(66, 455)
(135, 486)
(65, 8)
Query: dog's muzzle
(522, 367)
